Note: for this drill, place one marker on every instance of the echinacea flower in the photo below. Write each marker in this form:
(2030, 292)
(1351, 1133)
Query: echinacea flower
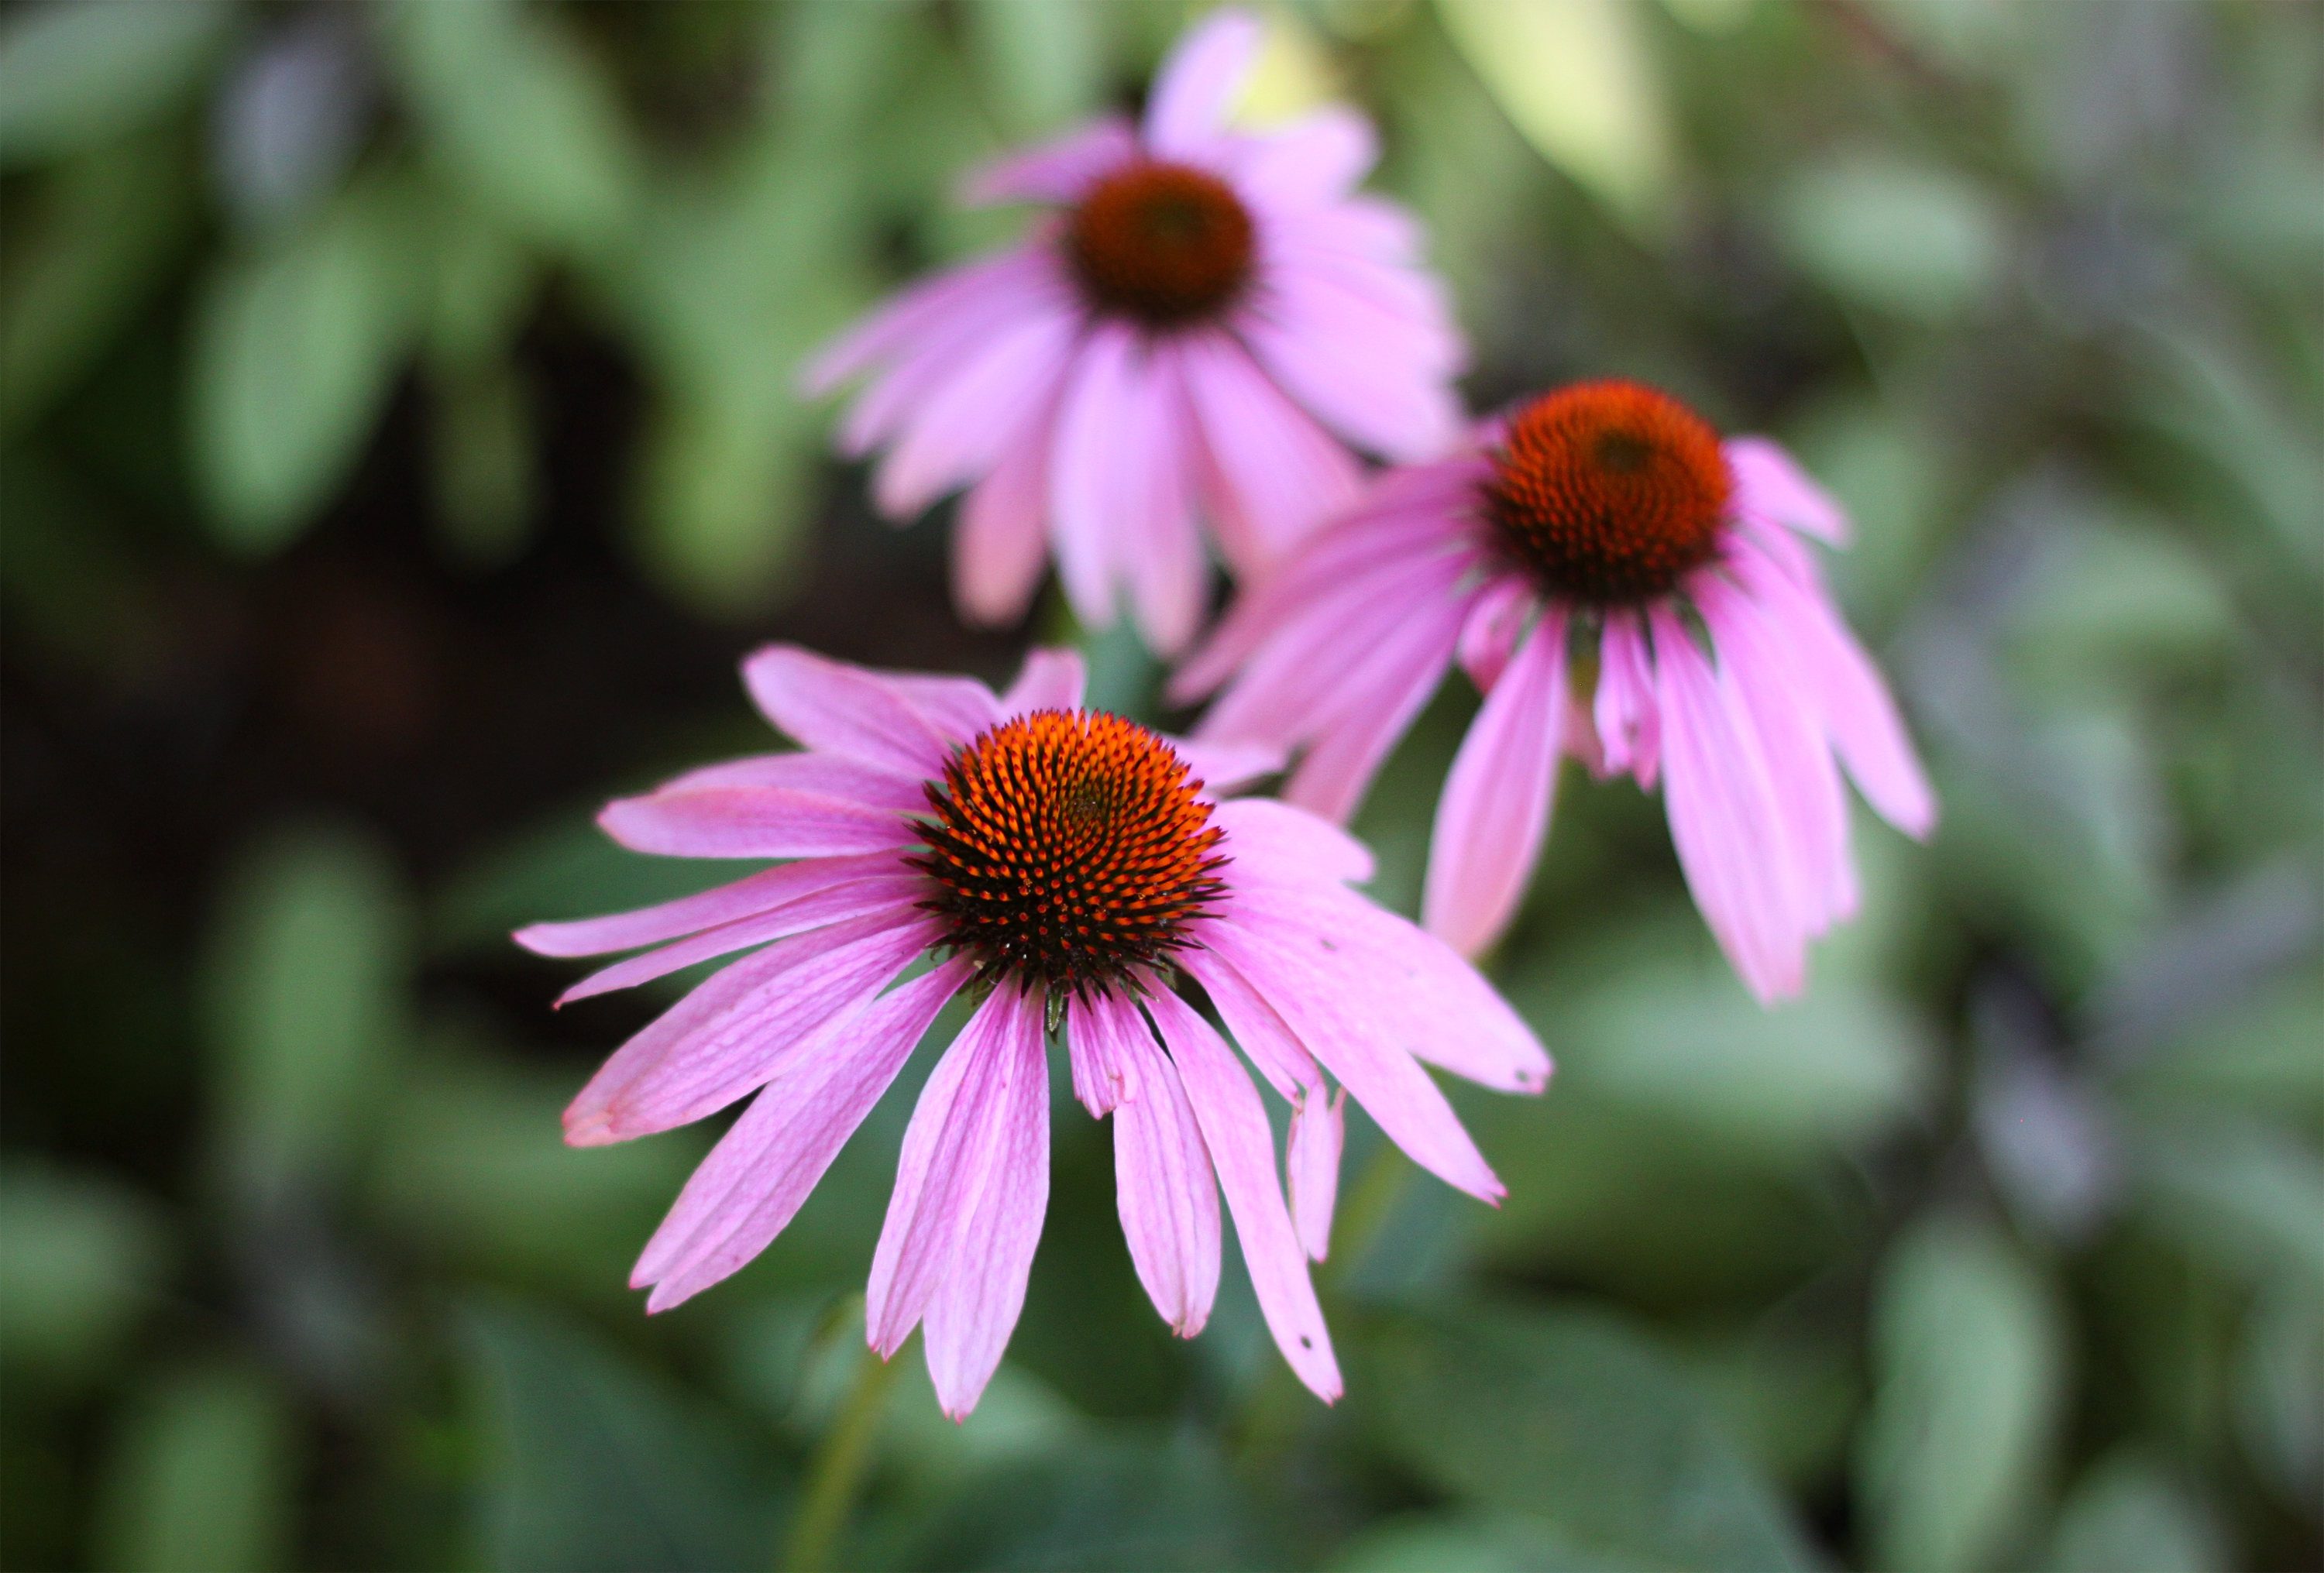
(1066, 865)
(1179, 341)
(1602, 535)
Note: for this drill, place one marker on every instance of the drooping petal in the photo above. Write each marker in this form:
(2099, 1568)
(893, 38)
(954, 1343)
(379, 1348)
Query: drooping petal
(1629, 724)
(1312, 1164)
(741, 1026)
(1398, 678)
(1103, 1065)
(977, 1301)
(1058, 171)
(1000, 537)
(1197, 84)
(1234, 1130)
(1768, 485)
(1266, 1039)
(1051, 680)
(1276, 475)
(1084, 477)
(1732, 839)
(1164, 1185)
(831, 706)
(897, 892)
(965, 425)
(949, 1149)
(754, 1180)
(1287, 966)
(750, 822)
(1163, 550)
(1494, 811)
(1488, 635)
(760, 892)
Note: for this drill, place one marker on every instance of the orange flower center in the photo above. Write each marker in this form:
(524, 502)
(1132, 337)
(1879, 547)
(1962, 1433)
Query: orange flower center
(1161, 244)
(1071, 847)
(1608, 492)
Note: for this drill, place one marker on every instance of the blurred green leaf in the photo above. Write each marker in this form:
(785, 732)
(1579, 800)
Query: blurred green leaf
(2243, 1194)
(562, 868)
(599, 1465)
(483, 432)
(200, 1474)
(520, 117)
(2259, 1053)
(1107, 1503)
(85, 1255)
(470, 1164)
(1580, 81)
(295, 350)
(2279, 1390)
(1915, 239)
(1466, 1542)
(75, 72)
(1886, 468)
(307, 965)
(1970, 1369)
(1042, 61)
(94, 244)
(2128, 1513)
(1567, 1416)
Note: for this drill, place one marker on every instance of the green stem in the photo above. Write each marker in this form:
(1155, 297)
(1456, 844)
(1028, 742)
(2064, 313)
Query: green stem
(839, 1466)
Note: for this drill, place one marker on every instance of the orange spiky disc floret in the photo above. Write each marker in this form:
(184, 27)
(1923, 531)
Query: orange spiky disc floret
(1162, 244)
(1610, 492)
(1071, 848)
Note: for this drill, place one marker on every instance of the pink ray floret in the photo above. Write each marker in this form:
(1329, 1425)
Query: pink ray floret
(1324, 995)
(1602, 520)
(1191, 338)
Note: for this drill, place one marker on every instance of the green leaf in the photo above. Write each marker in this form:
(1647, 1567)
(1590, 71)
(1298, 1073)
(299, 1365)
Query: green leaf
(296, 348)
(304, 981)
(84, 1255)
(95, 242)
(76, 72)
(520, 117)
(1579, 80)
(1568, 1416)
(200, 1475)
(600, 1466)
(1124, 1502)
(1042, 61)
(2243, 1194)
(2129, 1513)
(1913, 239)
(1466, 1542)
(484, 462)
(1969, 1368)
(565, 866)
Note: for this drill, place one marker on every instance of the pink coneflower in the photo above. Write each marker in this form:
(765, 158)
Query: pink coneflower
(1066, 865)
(1180, 341)
(1602, 535)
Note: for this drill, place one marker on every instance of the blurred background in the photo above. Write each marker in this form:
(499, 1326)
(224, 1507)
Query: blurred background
(400, 450)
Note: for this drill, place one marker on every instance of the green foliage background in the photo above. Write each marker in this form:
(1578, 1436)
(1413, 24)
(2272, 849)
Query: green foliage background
(399, 445)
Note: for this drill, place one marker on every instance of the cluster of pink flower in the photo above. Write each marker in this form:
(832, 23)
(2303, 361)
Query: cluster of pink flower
(1195, 338)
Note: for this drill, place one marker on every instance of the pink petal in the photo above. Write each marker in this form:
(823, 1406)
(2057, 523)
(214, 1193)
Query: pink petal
(1731, 836)
(739, 1028)
(1312, 1164)
(1316, 159)
(1494, 809)
(1058, 171)
(1274, 841)
(1770, 486)
(1163, 1183)
(822, 774)
(1234, 1129)
(1396, 681)
(1286, 964)
(959, 708)
(1052, 679)
(1628, 726)
(1084, 476)
(1488, 634)
(976, 1303)
(896, 893)
(760, 892)
(1276, 475)
(831, 706)
(1162, 550)
(1000, 541)
(750, 822)
(1223, 768)
(911, 314)
(1264, 1037)
(1378, 379)
(965, 426)
(756, 1178)
(949, 1148)
(1198, 83)
(1101, 1059)
(1403, 313)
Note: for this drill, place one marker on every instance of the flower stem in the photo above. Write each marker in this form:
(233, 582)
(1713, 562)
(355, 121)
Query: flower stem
(839, 1466)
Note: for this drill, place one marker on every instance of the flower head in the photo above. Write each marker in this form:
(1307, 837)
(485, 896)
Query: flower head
(1191, 335)
(1068, 867)
(1607, 522)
